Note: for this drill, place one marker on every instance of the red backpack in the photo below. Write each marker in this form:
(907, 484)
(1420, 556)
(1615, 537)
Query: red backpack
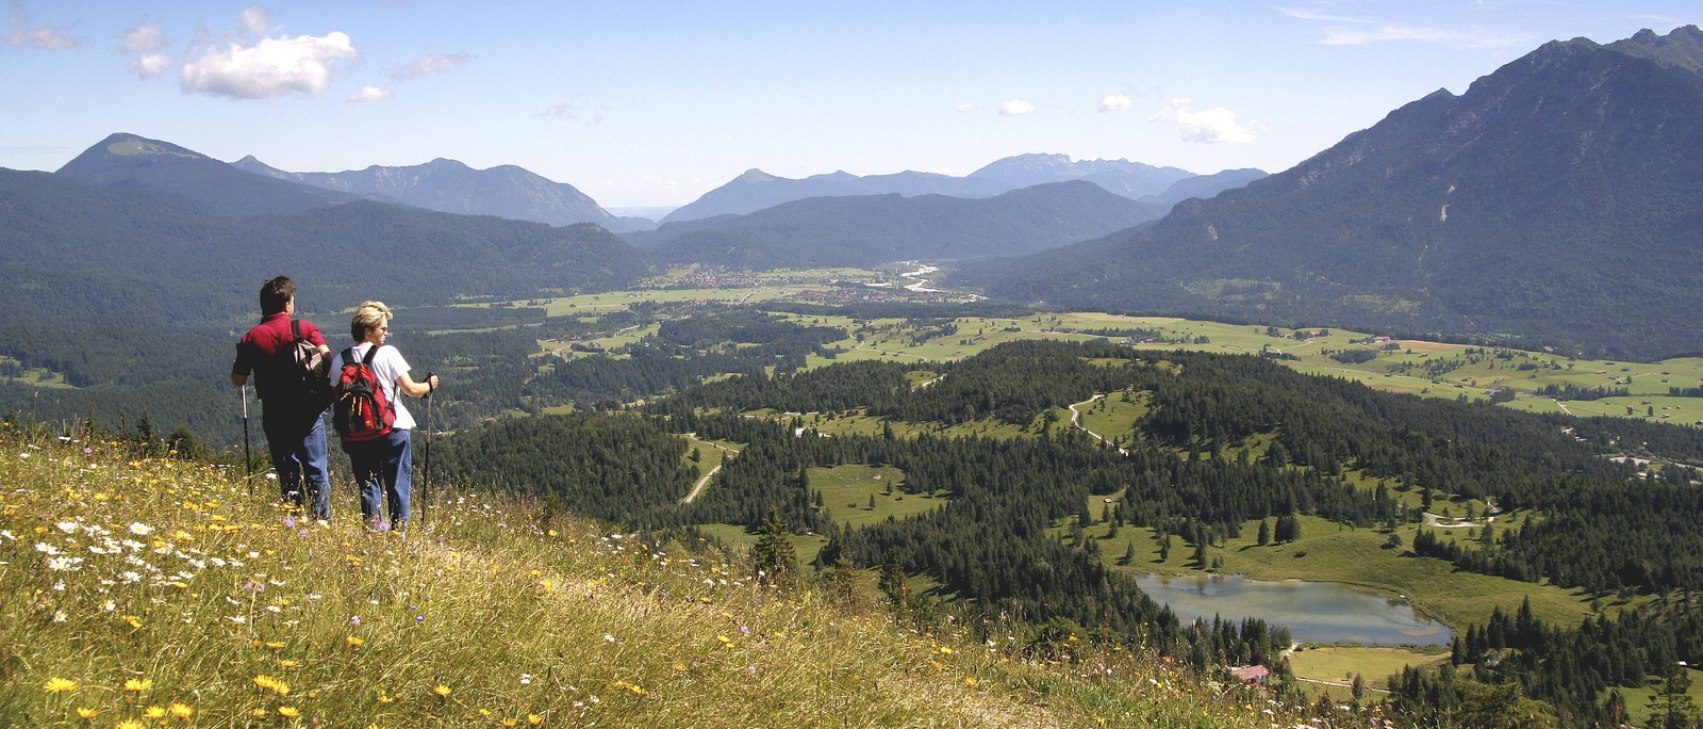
(361, 411)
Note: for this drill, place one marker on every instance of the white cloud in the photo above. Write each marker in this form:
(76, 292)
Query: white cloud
(149, 65)
(1461, 39)
(1350, 31)
(969, 106)
(1116, 102)
(571, 112)
(254, 21)
(49, 37)
(1305, 14)
(430, 65)
(370, 92)
(144, 38)
(1217, 125)
(271, 68)
(1016, 107)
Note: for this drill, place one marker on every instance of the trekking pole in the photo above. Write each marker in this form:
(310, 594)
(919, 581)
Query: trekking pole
(247, 461)
(426, 470)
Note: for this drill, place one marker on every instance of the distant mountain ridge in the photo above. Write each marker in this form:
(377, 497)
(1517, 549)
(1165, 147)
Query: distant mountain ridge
(1559, 199)
(189, 179)
(448, 186)
(756, 190)
(868, 230)
(143, 233)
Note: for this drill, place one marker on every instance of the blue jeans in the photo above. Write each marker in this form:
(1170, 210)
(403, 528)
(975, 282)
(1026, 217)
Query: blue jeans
(384, 466)
(297, 442)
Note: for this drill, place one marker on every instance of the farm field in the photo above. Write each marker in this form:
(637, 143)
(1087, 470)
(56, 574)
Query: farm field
(1525, 380)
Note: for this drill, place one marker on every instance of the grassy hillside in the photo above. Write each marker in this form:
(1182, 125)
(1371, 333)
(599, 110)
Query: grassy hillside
(144, 592)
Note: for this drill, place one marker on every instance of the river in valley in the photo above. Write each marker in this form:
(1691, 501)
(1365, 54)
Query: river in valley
(1314, 612)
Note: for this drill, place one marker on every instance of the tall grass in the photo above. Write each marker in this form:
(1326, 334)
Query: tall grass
(154, 592)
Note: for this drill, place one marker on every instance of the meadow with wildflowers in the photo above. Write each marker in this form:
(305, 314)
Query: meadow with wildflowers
(155, 592)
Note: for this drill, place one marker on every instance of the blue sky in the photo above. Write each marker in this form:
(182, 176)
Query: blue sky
(654, 103)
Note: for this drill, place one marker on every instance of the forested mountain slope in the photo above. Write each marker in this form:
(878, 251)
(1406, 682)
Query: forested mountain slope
(145, 233)
(1559, 200)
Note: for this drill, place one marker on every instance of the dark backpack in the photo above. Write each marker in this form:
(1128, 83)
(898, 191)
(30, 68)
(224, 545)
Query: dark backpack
(361, 411)
(309, 370)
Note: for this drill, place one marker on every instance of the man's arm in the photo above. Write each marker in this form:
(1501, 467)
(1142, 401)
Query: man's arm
(239, 380)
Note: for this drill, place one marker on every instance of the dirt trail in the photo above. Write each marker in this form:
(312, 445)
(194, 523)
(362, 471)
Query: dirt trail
(698, 487)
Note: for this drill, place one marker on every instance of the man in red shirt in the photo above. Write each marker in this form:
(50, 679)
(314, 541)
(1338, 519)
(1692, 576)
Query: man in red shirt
(295, 435)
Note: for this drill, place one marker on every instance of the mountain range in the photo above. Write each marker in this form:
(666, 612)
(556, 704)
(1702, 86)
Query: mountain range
(448, 186)
(756, 190)
(138, 232)
(868, 230)
(1558, 200)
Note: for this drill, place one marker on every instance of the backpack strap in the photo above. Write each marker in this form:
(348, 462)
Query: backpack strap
(296, 328)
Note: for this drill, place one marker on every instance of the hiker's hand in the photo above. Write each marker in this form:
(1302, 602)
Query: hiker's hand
(431, 382)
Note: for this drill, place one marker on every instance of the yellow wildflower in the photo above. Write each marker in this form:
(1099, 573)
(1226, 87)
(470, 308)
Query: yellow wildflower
(182, 711)
(155, 712)
(355, 641)
(130, 724)
(509, 721)
(276, 645)
(289, 712)
(289, 663)
(58, 685)
(272, 684)
(970, 682)
(258, 713)
(85, 713)
(133, 621)
(384, 698)
(631, 688)
(534, 720)
(441, 690)
(138, 685)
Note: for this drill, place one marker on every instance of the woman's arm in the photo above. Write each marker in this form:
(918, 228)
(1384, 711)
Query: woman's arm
(407, 386)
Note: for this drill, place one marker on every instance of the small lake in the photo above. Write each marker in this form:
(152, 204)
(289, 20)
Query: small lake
(1314, 612)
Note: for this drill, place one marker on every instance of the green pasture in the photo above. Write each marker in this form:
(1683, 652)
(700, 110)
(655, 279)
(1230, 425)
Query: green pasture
(861, 423)
(1431, 369)
(859, 495)
(1340, 664)
(1453, 372)
(1113, 417)
(806, 546)
(709, 454)
(36, 377)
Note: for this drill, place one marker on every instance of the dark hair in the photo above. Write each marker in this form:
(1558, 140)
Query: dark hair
(275, 294)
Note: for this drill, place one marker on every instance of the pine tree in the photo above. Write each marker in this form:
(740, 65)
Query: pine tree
(1671, 707)
(774, 558)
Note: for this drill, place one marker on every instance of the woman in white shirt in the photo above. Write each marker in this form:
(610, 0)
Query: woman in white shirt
(383, 464)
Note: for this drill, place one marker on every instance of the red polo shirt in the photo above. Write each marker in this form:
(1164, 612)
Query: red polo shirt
(259, 350)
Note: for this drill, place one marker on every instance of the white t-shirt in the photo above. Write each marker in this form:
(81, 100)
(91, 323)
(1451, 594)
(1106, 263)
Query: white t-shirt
(388, 365)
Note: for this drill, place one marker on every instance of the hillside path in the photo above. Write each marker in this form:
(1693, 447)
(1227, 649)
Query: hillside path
(1076, 421)
(698, 487)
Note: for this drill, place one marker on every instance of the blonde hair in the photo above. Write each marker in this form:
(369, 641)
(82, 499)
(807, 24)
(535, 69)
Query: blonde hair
(368, 315)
